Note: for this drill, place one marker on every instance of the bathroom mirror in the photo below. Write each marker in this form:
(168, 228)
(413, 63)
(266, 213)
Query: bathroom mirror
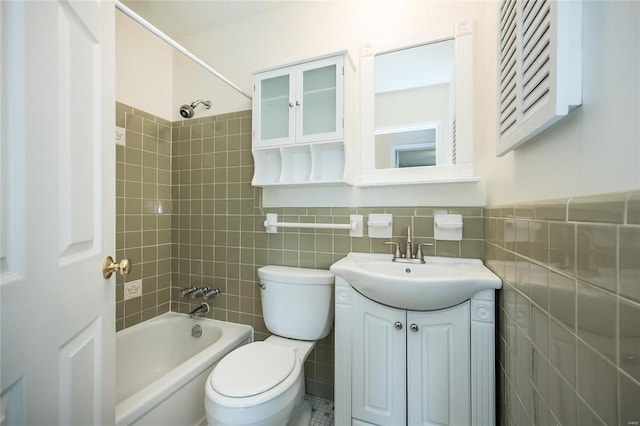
(417, 101)
(414, 92)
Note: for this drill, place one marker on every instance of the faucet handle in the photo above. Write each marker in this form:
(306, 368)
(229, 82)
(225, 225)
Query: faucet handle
(213, 292)
(419, 254)
(396, 253)
(199, 292)
(188, 291)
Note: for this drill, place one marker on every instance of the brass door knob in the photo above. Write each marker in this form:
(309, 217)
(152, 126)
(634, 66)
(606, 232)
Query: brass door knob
(109, 266)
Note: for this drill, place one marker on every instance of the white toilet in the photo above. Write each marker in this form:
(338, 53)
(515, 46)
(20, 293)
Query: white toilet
(262, 383)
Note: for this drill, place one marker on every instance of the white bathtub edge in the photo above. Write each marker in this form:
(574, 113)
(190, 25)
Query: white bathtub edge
(128, 411)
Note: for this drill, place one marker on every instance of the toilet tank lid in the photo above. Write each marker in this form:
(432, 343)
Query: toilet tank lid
(288, 274)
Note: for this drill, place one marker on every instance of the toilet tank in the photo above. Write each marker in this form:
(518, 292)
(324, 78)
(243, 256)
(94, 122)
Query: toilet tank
(297, 302)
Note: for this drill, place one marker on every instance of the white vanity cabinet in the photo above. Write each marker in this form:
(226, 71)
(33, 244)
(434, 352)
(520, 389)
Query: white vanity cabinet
(401, 367)
(299, 120)
(410, 367)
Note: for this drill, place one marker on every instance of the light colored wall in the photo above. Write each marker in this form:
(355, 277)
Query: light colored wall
(299, 31)
(410, 106)
(144, 69)
(596, 149)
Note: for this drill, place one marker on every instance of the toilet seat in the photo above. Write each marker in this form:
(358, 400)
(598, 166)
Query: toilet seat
(288, 384)
(253, 369)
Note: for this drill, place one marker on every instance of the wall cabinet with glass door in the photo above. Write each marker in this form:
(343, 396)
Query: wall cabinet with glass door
(300, 114)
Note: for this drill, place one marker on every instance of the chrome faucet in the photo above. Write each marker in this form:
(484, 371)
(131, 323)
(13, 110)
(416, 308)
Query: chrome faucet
(409, 256)
(204, 292)
(200, 310)
(198, 292)
(408, 253)
(208, 293)
(188, 291)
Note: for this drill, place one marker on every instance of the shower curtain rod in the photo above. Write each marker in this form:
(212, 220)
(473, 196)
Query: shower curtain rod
(171, 42)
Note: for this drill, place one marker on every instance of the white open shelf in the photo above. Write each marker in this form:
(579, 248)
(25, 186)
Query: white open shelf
(328, 162)
(296, 164)
(314, 163)
(268, 166)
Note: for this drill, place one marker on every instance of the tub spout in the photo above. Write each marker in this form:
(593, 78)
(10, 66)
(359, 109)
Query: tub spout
(200, 310)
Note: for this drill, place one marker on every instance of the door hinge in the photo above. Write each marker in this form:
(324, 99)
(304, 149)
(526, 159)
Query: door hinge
(254, 88)
(343, 70)
(343, 123)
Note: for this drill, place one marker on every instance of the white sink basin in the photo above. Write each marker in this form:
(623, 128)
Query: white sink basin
(439, 283)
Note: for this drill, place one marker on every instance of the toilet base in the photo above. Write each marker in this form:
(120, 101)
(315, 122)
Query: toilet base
(301, 416)
(279, 411)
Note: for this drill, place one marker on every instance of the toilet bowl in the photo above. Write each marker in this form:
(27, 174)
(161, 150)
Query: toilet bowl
(262, 383)
(268, 390)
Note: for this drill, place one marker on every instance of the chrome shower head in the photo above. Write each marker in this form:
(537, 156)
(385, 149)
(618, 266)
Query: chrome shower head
(187, 111)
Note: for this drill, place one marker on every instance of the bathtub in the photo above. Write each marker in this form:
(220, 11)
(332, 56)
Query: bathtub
(161, 369)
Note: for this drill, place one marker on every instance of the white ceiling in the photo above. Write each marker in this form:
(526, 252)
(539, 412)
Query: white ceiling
(180, 18)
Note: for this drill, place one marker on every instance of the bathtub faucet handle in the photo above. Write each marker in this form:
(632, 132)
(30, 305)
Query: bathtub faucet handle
(198, 292)
(209, 293)
(188, 291)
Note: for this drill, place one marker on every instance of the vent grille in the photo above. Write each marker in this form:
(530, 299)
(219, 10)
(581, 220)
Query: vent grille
(536, 88)
(508, 68)
(536, 52)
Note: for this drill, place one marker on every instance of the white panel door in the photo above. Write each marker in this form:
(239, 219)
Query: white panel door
(378, 363)
(438, 352)
(58, 214)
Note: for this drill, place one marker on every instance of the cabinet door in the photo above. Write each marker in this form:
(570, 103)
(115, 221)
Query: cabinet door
(320, 100)
(273, 110)
(378, 363)
(438, 351)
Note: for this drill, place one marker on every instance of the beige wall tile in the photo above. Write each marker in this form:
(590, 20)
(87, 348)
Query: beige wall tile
(596, 258)
(598, 384)
(597, 319)
(578, 307)
(629, 264)
(604, 209)
(629, 397)
(629, 320)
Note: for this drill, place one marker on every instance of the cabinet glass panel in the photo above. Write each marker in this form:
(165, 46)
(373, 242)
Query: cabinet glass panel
(274, 107)
(319, 100)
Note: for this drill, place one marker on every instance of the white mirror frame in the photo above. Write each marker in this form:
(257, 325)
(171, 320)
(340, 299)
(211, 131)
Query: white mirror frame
(462, 171)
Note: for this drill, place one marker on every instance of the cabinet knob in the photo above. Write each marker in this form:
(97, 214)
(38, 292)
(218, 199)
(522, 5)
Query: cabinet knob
(398, 325)
(290, 104)
(414, 327)
(297, 103)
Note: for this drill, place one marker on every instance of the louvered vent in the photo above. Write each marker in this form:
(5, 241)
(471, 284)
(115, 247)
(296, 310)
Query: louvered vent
(507, 66)
(540, 67)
